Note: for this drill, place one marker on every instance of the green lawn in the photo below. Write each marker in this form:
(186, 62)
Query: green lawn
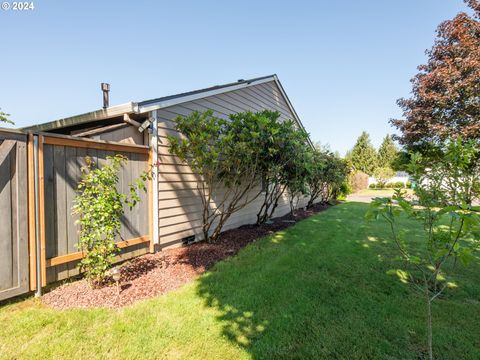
(316, 290)
(381, 192)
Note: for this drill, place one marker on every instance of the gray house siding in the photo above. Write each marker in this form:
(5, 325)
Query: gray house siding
(180, 208)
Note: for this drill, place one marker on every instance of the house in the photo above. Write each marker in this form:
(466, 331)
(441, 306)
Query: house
(176, 203)
(400, 177)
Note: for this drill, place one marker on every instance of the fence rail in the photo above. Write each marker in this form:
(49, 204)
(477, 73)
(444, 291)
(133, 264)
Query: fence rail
(36, 198)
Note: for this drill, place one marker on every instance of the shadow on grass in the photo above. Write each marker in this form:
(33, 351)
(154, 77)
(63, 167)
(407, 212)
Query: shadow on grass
(307, 292)
(320, 289)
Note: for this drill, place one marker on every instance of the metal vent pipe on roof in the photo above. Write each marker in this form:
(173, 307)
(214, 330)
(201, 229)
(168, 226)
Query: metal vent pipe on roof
(106, 90)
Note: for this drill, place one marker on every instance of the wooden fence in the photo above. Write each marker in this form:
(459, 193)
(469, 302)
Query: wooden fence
(14, 263)
(42, 245)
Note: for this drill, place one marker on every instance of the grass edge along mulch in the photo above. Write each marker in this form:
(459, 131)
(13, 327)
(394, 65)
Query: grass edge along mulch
(152, 275)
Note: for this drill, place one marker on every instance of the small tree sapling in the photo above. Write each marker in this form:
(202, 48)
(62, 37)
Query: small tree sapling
(446, 216)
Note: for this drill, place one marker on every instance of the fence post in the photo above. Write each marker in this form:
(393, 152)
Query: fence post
(155, 173)
(150, 201)
(41, 213)
(31, 179)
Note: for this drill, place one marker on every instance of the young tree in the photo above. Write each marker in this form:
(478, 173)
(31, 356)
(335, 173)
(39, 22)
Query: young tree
(387, 153)
(455, 173)
(445, 91)
(383, 174)
(363, 156)
(443, 211)
(226, 155)
(5, 118)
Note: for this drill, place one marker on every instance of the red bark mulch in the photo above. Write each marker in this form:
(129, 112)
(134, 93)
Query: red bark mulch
(151, 275)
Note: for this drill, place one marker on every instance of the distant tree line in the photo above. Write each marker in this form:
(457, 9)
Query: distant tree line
(381, 164)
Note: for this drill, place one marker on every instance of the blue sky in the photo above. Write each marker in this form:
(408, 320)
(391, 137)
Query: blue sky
(342, 63)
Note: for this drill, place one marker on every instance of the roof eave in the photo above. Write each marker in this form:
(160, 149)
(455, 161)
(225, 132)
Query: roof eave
(102, 114)
(292, 109)
(152, 106)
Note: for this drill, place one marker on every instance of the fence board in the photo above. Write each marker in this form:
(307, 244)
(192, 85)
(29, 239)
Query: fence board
(6, 249)
(14, 261)
(60, 163)
(72, 171)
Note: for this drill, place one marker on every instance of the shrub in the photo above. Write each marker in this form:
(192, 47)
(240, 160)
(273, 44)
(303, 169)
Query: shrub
(236, 154)
(284, 160)
(100, 206)
(357, 180)
(399, 184)
(372, 186)
(328, 181)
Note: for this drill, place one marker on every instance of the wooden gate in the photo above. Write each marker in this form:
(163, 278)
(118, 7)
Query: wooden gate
(14, 261)
(60, 161)
(38, 233)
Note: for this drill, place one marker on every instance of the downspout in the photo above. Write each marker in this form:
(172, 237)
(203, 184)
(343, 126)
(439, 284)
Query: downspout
(154, 143)
(38, 293)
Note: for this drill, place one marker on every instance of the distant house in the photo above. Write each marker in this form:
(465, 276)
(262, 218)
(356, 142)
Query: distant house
(400, 176)
(176, 202)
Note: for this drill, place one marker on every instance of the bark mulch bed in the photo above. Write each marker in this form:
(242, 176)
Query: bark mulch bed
(151, 275)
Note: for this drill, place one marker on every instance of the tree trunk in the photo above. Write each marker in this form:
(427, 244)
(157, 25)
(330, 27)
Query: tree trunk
(270, 203)
(429, 322)
(218, 229)
(275, 204)
(261, 215)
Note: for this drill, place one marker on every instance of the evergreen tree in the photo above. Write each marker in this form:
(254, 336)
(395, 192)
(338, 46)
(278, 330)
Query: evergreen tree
(387, 153)
(363, 156)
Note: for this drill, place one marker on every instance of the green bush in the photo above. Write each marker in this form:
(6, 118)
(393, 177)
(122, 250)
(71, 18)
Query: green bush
(372, 186)
(344, 189)
(399, 184)
(247, 149)
(100, 208)
(357, 180)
